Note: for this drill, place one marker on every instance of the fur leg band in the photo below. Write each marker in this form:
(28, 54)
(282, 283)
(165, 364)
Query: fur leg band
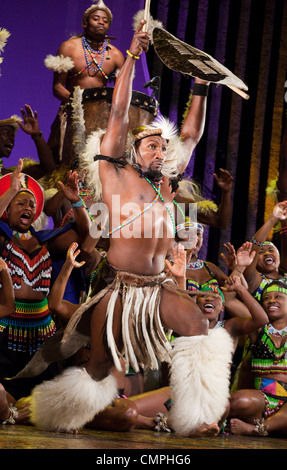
(70, 400)
(199, 376)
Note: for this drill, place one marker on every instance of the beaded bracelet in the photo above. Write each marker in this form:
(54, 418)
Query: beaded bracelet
(78, 204)
(35, 137)
(136, 57)
(200, 89)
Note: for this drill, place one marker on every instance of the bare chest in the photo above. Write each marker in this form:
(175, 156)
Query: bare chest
(143, 210)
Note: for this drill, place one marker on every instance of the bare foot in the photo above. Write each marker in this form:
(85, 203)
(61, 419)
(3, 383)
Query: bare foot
(241, 428)
(206, 430)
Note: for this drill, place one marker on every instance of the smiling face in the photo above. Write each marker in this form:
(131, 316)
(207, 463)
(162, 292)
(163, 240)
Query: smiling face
(7, 141)
(151, 155)
(211, 305)
(21, 211)
(275, 305)
(268, 258)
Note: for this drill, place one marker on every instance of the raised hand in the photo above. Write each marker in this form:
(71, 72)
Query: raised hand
(71, 188)
(30, 124)
(230, 257)
(72, 255)
(15, 181)
(140, 41)
(280, 210)
(224, 181)
(245, 254)
(178, 268)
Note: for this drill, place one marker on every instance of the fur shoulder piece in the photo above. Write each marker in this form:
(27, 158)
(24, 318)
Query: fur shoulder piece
(59, 63)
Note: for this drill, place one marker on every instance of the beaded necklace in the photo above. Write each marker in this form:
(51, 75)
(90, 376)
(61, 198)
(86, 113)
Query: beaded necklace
(129, 221)
(273, 331)
(22, 236)
(162, 200)
(198, 264)
(88, 50)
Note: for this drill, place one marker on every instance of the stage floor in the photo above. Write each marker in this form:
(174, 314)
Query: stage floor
(28, 437)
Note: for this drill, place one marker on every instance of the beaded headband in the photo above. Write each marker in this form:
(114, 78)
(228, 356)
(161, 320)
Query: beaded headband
(275, 288)
(187, 225)
(99, 6)
(212, 288)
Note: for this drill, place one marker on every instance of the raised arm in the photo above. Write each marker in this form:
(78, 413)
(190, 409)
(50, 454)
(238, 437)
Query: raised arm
(71, 191)
(15, 185)
(251, 274)
(194, 123)
(63, 309)
(30, 126)
(114, 141)
(244, 326)
(220, 218)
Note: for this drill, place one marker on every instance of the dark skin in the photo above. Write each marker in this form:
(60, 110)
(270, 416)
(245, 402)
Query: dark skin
(95, 29)
(30, 126)
(126, 184)
(138, 411)
(201, 276)
(248, 405)
(20, 208)
(221, 217)
(267, 259)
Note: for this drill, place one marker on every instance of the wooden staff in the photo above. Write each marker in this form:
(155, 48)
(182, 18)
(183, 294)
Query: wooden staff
(146, 14)
(239, 91)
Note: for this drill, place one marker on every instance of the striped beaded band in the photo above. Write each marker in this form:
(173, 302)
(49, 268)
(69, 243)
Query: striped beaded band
(187, 225)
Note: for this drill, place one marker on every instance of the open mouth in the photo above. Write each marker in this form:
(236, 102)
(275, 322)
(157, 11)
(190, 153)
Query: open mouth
(26, 218)
(208, 307)
(269, 260)
(273, 308)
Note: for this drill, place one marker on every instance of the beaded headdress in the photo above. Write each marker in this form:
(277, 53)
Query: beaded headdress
(99, 6)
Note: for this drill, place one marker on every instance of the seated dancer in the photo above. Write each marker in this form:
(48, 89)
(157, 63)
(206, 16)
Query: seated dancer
(27, 254)
(153, 410)
(30, 125)
(127, 319)
(86, 61)
(267, 264)
(262, 411)
(200, 273)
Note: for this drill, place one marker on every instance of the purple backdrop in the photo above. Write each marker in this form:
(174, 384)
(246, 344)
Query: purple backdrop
(37, 29)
